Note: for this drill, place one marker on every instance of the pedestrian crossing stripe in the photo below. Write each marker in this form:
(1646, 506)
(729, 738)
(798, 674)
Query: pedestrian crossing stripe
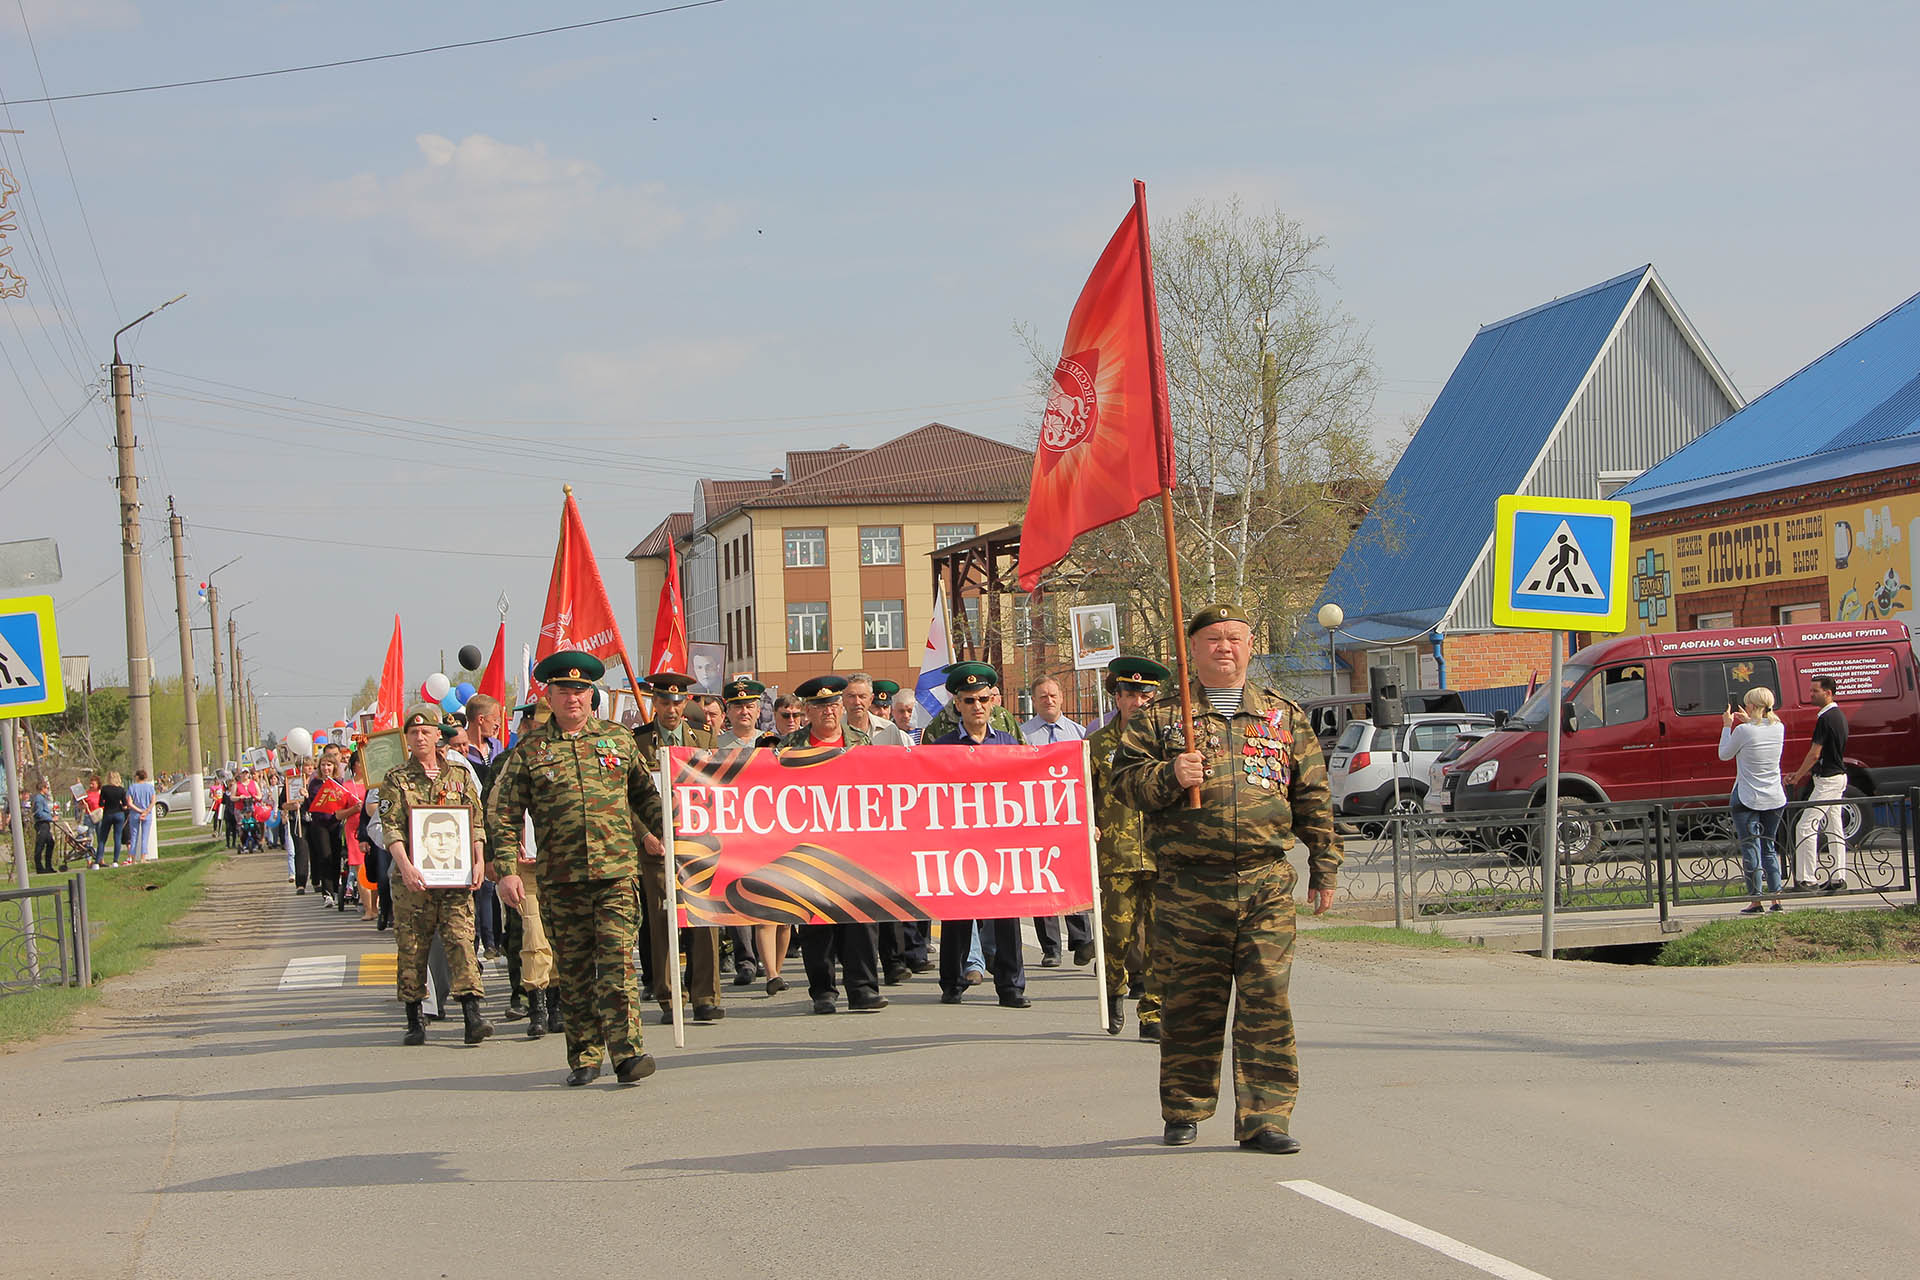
(1560, 564)
(378, 969)
(370, 969)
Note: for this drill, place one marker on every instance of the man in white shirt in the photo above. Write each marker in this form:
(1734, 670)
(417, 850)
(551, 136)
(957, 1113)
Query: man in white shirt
(1051, 724)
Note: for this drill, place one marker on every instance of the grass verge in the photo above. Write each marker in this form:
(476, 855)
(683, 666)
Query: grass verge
(133, 909)
(1800, 937)
(1383, 933)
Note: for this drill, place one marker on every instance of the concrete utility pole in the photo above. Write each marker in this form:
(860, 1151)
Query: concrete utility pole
(139, 666)
(233, 650)
(189, 688)
(253, 712)
(219, 681)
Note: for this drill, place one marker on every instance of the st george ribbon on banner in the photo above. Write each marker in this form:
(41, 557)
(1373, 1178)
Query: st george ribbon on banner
(879, 834)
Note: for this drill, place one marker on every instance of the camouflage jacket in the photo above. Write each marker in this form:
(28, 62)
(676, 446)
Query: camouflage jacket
(648, 736)
(589, 795)
(408, 787)
(804, 737)
(1121, 847)
(1266, 784)
(948, 719)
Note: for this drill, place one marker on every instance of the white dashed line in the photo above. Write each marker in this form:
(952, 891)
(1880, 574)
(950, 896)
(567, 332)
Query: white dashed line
(1413, 1231)
(304, 972)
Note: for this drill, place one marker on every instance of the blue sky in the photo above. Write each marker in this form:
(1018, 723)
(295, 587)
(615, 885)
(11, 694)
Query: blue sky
(679, 246)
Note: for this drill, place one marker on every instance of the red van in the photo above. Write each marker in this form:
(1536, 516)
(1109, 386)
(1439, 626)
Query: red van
(1643, 715)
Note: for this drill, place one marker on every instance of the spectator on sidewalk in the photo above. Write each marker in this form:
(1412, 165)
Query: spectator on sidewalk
(1753, 739)
(1826, 762)
(114, 817)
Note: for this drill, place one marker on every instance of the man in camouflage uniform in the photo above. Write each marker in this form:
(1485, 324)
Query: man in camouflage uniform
(1223, 892)
(672, 728)
(587, 789)
(428, 780)
(1126, 867)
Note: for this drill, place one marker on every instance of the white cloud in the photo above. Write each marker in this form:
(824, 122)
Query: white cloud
(483, 197)
(71, 15)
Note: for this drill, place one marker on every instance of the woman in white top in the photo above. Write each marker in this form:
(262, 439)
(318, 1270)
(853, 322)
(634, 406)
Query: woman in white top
(1753, 738)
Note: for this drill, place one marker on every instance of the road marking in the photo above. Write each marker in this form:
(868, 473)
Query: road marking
(378, 968)
(1459, 1252)
(304, 972)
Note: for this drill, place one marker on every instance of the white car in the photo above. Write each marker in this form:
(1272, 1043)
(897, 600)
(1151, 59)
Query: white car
(178, 796)
(1365, 760)
(1438, 801)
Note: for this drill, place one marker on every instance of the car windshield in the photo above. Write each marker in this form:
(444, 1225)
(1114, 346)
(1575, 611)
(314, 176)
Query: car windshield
(1460, 745)
(1532, 713)
(1351, 735)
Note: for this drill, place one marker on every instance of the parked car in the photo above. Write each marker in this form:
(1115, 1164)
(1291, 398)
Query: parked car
(1438, 800)
(177, 796)
(1330, 716)
(1364, 761)
(1641, 716)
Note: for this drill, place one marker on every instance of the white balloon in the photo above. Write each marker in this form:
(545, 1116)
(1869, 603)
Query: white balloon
(438, 685)
(300, 742)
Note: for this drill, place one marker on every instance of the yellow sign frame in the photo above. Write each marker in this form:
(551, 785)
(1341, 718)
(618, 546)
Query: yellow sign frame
(52, 681)
(1505, 572)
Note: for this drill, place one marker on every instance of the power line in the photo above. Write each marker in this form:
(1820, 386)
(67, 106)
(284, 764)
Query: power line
(354, 62)
(61, 139)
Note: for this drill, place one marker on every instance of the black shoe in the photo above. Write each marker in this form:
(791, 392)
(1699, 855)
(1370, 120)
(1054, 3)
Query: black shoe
(555, 1023)
(1050, 961)
(950, 997)
(1083, 955)
(1805, 885)
(1150, 1031)
(897, 973)
(775, 985)
(1777, 907)
(635, 1069)
(1834, 885)
(1015, 1002)
(1271, 1141)
(825, 1004)
(584, 1075)
(666, 1015)
(1179, 1133)
(302, 889)
(706, 1013)
(1116, 1018)
(745, 976)
(921, 967)
(1136, 990)
(537, 1022)
(1752, 909)
(416, 1029)
(478, 1028)
(517, 1009)
(866, 1004)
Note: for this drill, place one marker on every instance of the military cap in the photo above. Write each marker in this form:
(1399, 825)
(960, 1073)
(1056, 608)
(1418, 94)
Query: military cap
(883, 691)
(1138, 673)
(741, 689)
(966, 677)
(1218, 613)
(426, 713)
(569, 668)
(525, 707)
(452, 723)
(670, 686)
(821, 689)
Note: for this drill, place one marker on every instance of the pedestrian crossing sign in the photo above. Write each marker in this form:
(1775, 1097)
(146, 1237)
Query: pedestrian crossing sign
(1560, 564)
(30, 683)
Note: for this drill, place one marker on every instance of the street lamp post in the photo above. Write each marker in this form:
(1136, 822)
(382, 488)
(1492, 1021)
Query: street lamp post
(1331, 616)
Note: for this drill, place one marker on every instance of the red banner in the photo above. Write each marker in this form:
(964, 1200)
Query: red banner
(881, 833)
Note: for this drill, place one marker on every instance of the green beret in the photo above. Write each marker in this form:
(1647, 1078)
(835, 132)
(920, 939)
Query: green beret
(570, 669)
(822, 689)
(1218, 613)
(967, 677)
(426, 713)
(741, 689)
(670, 686)
(1138, 673)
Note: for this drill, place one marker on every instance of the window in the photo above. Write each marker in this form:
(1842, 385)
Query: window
(806, 548)
(807, 628)
(1612, 482)
(880, 545)
(970, 606)
(1433, 736)
(1712, 621)
(1708, 687)
(1613, 695)
(945, 535)
(884, 624)
(1788, 614)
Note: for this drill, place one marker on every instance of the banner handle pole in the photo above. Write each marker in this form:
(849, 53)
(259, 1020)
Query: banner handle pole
(1099, 925)
(673, 894)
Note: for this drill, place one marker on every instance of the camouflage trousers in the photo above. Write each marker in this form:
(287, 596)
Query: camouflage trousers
(702, 944)
(591, 924)
(416, 918)
(1126, 906)
(1218, 928)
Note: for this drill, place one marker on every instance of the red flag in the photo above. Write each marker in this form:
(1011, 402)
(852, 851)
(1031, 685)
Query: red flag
(578, 614)
(1105, 447)
(493, 681)
(393, 683)
(670, 623)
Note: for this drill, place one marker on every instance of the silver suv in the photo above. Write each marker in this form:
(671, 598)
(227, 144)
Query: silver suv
(1362, 764)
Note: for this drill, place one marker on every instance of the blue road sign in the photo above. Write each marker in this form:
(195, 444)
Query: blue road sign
(1560, 564)
(30, 681)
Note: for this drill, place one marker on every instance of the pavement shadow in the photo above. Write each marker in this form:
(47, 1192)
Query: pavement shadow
(394, 1169)
(801, 1158)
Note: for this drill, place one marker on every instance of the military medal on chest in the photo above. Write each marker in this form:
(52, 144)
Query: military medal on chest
(1265, 752)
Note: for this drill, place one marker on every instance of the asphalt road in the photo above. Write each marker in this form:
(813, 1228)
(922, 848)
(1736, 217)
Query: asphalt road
(1573, 1120)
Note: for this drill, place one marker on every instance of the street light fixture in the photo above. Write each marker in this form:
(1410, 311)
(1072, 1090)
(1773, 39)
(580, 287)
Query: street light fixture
(1331, 616)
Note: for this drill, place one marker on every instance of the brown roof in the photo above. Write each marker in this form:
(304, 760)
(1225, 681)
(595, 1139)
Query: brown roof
(676, 526)
(723, 496)
(802, 463)
(935, 463)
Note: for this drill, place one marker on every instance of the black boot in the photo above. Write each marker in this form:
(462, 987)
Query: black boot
(1115, 1018)
(555, 1022)
(536, 1015)
(416, 1029)
(478, 1028)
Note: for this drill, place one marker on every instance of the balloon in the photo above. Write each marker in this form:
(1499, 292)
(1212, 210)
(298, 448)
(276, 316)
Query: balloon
(464, 691)
(450, 703)
(339, 724)
(299, 741)
(470, 657)
(425, 696)
(436, 687)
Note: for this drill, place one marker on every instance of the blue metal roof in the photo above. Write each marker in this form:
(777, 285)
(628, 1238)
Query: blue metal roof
(1855, 409)
(1492, 419)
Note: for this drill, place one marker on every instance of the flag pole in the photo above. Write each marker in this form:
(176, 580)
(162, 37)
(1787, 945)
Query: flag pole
(1163, 433)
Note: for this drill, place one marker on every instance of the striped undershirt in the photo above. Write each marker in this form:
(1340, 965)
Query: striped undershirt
(1225, 701)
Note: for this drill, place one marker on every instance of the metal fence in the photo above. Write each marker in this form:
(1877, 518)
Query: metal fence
(1617, 855)
(45, 939)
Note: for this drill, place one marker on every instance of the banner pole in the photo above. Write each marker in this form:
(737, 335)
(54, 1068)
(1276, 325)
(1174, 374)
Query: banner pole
(673, 894)
(1093, 858)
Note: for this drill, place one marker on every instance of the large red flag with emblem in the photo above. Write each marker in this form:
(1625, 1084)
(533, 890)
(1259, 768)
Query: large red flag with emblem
(670, 623)
(493, 681)
(578, 614)
(393, 683)
(1105, 446)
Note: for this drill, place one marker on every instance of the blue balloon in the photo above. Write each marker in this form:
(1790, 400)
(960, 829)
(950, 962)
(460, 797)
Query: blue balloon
(450, 703)
(464, 691)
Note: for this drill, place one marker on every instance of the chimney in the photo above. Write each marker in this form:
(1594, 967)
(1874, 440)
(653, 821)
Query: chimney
(778, 476)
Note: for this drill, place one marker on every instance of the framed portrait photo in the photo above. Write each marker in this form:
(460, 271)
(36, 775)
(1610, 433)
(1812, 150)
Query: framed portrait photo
(440, 842)
(1096, 635)
(622, 707)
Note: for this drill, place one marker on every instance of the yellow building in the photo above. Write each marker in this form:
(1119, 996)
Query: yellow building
(823, 566)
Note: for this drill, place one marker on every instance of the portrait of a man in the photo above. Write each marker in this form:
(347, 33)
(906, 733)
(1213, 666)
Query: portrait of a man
(442, 843)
